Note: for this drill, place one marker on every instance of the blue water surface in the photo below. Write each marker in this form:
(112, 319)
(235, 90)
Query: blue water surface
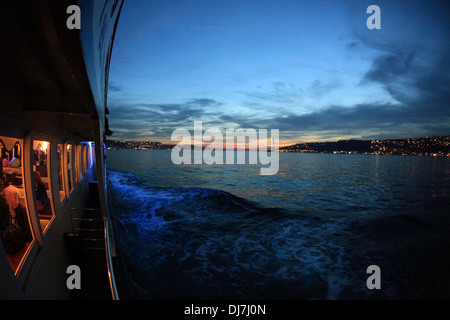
(309, 232)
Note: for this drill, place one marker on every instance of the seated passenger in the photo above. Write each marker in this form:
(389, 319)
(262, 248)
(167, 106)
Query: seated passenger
(42, 200)
(15, 162)
(4, 210)
(18, 214)
(4, 213)
(5, 162)
(3, 185)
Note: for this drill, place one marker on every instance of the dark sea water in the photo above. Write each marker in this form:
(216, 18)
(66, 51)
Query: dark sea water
(309, 232)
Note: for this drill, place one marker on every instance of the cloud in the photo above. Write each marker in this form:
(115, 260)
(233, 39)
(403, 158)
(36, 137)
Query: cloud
(420, 106)
(133, 120)
(278, 92)
(389, 68)
(420, 88)
(114, 88)
(204, 102)
(421, 85)
(320, 88)
(352, 45)
(415, 73)
(417, 78)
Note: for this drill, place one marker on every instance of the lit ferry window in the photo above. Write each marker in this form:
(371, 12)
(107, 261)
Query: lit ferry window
(86, 158)
(41, 178)
(15, 230)
(62, 193)
(70, 166)
(76, 155)
(78, 164)
(83, 159)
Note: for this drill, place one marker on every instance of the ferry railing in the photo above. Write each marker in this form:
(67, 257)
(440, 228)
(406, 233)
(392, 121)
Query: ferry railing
(72, 218)
(107, 237)
(109, 263)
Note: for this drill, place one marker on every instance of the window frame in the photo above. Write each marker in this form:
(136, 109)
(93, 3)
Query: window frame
(69, 159)
(61, 174)
(21, 273)
(49, 151)
(24, 267)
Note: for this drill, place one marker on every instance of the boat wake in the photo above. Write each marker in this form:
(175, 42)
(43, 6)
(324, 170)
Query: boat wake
(200, 243)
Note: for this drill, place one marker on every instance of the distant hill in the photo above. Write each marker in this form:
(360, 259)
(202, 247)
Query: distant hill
(434, 146)
(360, 146)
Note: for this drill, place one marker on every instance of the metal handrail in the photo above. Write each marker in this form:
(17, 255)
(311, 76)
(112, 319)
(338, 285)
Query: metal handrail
(112, 283)
(109, 264)
(79, 209)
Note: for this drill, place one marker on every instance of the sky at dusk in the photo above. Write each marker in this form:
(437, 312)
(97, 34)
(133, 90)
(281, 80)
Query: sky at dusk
(311, 69)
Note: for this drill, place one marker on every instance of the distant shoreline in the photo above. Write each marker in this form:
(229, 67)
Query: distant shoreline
(435, 146)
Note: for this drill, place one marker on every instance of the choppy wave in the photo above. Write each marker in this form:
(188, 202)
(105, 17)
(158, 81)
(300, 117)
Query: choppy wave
(202, 243)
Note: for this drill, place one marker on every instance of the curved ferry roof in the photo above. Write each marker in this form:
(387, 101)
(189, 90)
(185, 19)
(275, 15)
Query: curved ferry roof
(51, 75)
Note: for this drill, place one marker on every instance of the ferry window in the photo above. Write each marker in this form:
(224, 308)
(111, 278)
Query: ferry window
(70, 166)
(41, 178)
(92, 155)
(76, 164)
(60, 173)
(80, 162)
(86, 154)
(83, 158)
(15, 231)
